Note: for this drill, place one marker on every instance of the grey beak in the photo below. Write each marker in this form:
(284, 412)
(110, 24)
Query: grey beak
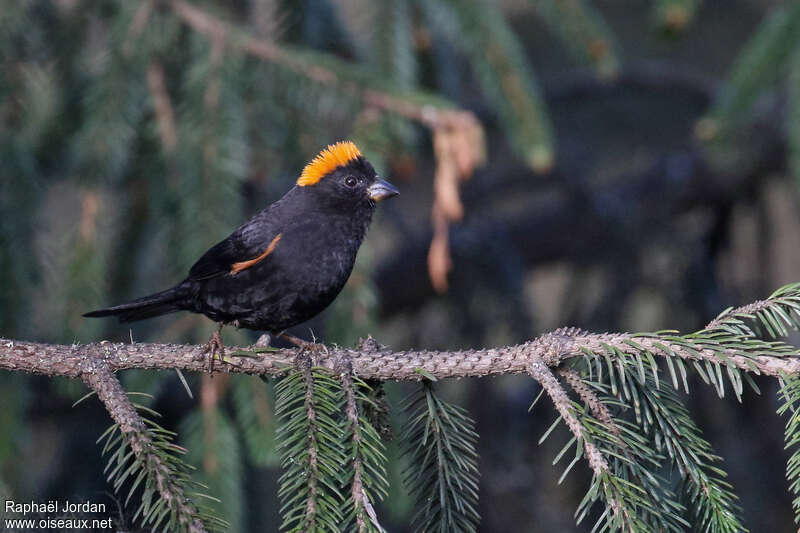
(381, 189)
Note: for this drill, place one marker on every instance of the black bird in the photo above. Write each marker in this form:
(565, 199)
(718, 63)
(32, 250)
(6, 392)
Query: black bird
(287, 263)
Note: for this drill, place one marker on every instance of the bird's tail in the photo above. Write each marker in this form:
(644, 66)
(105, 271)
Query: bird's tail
(156, 304)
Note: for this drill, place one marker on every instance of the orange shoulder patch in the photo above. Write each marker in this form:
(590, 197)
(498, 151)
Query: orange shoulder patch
(242, 265)
(335, 155)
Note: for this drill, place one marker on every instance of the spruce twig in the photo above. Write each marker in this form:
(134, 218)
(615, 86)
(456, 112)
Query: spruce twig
(360, 502)
(420, 107)
(309, 402)
(590, 399)
(439, 440)
(367, 474)
(790, 394)
(541, 373)
(153, 460)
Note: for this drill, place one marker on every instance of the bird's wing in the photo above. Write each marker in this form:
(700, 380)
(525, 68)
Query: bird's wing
(244, 248)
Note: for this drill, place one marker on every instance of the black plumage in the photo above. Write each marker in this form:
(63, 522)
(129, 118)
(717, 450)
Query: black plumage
(288, 262)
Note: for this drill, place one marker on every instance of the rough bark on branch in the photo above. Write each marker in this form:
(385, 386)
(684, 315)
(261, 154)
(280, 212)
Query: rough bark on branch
(100, 378)
(369, 361)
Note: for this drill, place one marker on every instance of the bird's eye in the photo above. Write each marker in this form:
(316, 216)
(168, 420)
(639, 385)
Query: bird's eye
(350, 181)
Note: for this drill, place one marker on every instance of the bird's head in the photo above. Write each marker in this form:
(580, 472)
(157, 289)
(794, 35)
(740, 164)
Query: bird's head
(342, 177)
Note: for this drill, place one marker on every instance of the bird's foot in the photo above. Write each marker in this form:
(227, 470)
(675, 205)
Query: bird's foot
(297, 341)
(215, 348)
(316, 352)
(314, 348)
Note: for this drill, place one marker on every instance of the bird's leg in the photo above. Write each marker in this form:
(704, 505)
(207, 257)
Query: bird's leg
(215, 346)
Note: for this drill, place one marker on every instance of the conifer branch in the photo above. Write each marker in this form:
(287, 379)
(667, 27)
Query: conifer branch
(541, 373)
(661, 417)
(500, 67)
(746, 310)
(706, 493)
(309, 402)
(360, 439)
(583, 31)
(458, 136)
(551, 349)
(313, 460)
(790, 395)
(419, 107)
(439, 439)
(638, 499)
(588, 397)
(312, 397)
(356, 485)
(99, 377)
(758, 66)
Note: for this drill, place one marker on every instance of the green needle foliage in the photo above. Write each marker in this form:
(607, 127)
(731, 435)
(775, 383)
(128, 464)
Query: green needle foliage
(766, 59)
(635, 419)
(662, 418)
(775, 318)
(759, 65)
(583, 31)
(636, 484)
(779, 314)
(394, 42)
(443, 473)
(160, 464)
(114, 105)
(312, 453)
(704, 491)
(215, 150)
(333, 458)
(481, 32)
(86, 114)
(637, 497)
(790, 392)
(367, 455)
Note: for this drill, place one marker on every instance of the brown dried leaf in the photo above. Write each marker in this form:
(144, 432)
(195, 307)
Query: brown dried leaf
(439, 261)
(445, 183)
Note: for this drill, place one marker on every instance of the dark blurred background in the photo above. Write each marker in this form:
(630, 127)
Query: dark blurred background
(639, 177)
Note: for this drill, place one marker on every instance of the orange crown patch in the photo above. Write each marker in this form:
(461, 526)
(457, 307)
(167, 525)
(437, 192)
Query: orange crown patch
(335, 155)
